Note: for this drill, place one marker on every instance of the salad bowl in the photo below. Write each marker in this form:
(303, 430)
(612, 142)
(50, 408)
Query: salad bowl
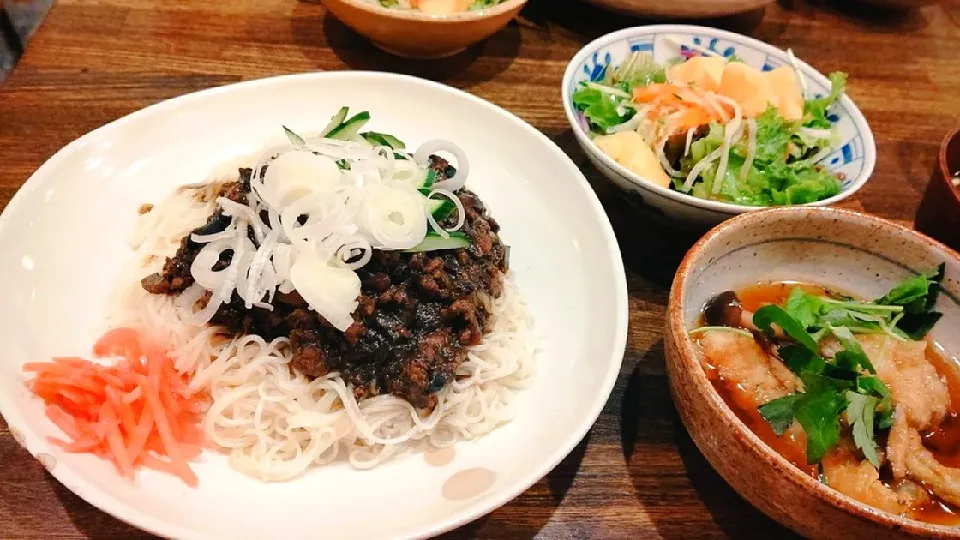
(851, 156)
(415, 34)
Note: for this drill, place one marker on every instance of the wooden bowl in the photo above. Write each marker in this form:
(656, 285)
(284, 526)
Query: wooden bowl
(690, 9)
(840, 249)
(414, 34)
(939, 212)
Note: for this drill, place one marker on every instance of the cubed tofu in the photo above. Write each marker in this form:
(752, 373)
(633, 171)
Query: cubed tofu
(748, 87)
(704, 72)
(786, 91)
(630, 150)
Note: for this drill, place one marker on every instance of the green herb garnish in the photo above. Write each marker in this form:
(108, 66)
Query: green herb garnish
(860, 411)
(295, 139)
(847, 382)
(917, 295)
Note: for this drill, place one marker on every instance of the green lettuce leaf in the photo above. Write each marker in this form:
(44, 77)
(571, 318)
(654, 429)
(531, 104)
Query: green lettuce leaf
(815, 110)
(602, 109)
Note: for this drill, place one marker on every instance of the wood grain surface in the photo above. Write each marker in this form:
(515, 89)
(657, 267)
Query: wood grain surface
(637, 474)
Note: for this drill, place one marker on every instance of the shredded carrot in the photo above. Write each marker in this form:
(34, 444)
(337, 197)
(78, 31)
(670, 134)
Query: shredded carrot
(687, 107)
(134, 413)
(693, 117)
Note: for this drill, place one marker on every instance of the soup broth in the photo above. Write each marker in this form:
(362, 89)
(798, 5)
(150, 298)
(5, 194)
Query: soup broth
(943, 441)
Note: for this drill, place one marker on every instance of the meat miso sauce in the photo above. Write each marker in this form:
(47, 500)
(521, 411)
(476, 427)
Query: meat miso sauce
(851, 392)
(416, 315)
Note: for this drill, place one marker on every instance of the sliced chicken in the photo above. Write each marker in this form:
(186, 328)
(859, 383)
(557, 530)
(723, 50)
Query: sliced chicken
(740, 361)
(898, 444)
(913, 380)
(908, 457)
(860, 480)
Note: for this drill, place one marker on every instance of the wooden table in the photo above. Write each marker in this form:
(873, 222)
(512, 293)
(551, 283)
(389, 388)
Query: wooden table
(637, 474)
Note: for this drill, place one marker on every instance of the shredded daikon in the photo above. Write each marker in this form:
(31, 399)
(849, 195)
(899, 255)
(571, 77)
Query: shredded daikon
(823, 153)
(710, 99)
(699, 168)
(690, 133)
(629, 125)
(664, 162)
(796, 67)
(731, 131)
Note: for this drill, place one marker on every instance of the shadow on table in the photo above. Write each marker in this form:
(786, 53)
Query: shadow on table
(526, 515)
(648, 417)
(651, 246)
(94, 524)
(861, 13)
(478, 63)
(730, 512)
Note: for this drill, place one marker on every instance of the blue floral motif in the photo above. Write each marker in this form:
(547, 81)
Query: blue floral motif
(831, 116)
(687, 52)
(598, 69)
(642, 47)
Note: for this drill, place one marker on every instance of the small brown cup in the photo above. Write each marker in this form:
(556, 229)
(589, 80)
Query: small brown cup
(939, 213)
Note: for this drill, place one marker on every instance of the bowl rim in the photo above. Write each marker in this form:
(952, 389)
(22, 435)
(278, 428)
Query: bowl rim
(870, 148)
(755, 446)
(123, 511)
(953, 136)
(419, 16)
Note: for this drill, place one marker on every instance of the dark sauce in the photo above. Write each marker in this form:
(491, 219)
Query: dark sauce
(943, 442)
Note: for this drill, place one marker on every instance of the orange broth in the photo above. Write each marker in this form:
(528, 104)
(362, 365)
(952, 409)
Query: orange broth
(943, 442)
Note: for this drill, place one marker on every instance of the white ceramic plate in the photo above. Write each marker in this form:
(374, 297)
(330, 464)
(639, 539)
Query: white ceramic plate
(64, 240)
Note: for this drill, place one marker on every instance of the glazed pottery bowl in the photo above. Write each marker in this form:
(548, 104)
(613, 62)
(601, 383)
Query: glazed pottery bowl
(846, 251)
(415, 34)
(939, 211)
(854, 156)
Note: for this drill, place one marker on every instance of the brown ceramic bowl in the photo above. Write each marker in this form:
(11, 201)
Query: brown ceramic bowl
(415, 34)
(843, 250)
(939, 212)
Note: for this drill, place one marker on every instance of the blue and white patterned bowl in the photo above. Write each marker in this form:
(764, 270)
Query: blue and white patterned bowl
(855, 156)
